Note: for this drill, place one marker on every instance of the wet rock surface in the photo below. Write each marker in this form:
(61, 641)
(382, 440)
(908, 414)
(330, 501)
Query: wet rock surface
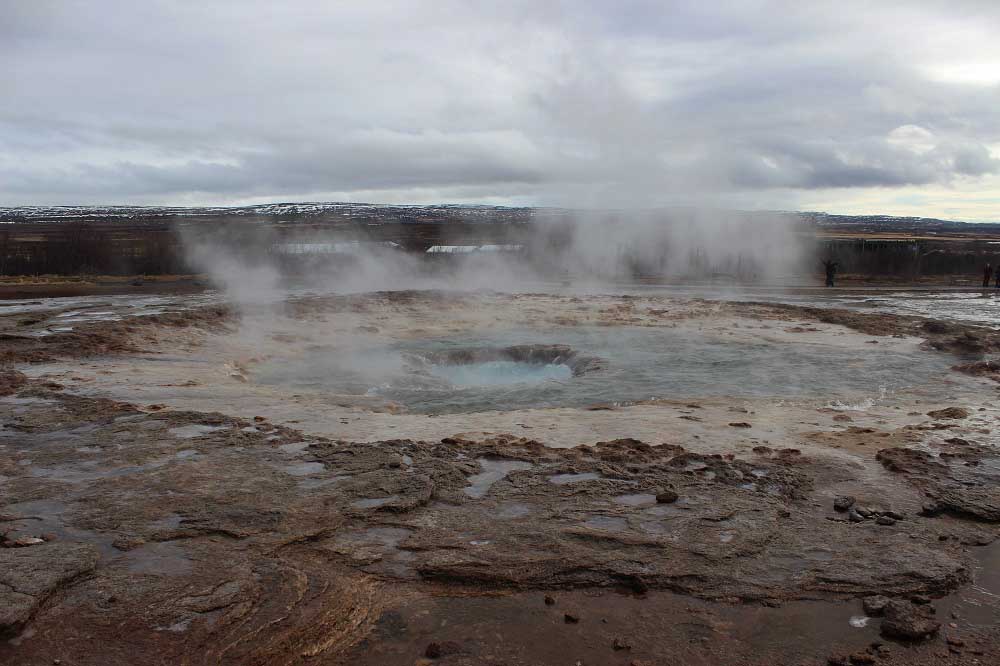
(956, 477)
(142, 533)
(29, 576)
(212, 543)
(908, 621)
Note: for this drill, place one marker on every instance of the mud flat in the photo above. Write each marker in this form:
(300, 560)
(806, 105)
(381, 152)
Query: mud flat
(169, 495)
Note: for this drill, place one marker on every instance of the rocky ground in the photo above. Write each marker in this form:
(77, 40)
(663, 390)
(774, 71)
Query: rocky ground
(211, 520)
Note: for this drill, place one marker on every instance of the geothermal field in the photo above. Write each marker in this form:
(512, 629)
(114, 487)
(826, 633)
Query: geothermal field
(436, 470)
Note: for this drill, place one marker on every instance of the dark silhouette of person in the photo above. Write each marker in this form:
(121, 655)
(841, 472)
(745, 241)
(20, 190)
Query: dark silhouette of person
(988, 273)
(831, 271)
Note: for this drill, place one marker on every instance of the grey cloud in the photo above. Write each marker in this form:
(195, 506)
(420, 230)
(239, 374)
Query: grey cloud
(639, 103)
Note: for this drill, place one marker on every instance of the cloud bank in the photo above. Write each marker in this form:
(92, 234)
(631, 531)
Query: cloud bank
(588, 104)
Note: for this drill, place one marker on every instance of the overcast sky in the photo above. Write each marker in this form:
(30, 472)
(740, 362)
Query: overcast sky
(841, 106)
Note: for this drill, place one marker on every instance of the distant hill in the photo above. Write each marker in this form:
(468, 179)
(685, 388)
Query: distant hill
(322, 213)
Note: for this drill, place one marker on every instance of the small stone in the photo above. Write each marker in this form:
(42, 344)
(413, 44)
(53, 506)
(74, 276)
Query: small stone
(949, 413)
(885, 520)
(438, 650)
(666, 497)
(875, 605)
(837, 660)
(920, 599)
(864, 511)
(740, 424)
(931, 509)
(639, 586)
(843, 502)
(569, 618)
(855, 517)
(549, 601)
(621, 644)
(908, 621)
(862, 658)
(895, 515)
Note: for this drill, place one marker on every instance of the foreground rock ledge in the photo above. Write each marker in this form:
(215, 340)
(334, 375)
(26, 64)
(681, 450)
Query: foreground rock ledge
(203, 534)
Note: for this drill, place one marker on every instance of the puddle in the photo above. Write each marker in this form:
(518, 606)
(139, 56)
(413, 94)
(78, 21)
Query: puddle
(512, 510)
(295, 447)
(88, 471)
(654, 527)
(607, 523)
(384, 536)
(979, 603)
(304, 468)
(564, 479)
(46, 517)
(637, 499)
(375, 502)
(493, 471)
(161, 559)
(310, 484)
(194, 430)
(382, 545)
(663, 628)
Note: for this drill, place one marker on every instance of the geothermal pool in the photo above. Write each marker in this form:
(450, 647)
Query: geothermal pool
(634, 457)
(638, 364)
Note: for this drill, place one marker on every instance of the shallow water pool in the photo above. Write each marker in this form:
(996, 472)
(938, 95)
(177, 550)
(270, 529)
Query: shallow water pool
(640, 364)
(500, 373)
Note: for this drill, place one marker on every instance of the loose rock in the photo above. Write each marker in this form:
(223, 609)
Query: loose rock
(908, 621)
(949, 413)
(843, 502)
(874, 606)
(666, 497)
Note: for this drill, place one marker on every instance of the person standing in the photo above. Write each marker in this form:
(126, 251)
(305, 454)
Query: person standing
(831, 271)
(988, 273)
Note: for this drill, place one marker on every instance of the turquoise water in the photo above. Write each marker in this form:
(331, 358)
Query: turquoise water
(641, 364)
(500, 373)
